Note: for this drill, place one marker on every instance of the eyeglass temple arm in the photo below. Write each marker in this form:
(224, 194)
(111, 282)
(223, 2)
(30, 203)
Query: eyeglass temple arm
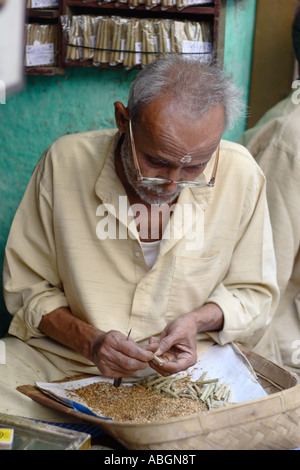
(134, 151)
(213, 177)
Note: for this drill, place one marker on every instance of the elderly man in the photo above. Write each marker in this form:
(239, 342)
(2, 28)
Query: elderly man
(158, 228)
(274, 143)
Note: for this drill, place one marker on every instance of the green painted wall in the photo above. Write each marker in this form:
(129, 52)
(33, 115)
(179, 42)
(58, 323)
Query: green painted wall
(46, 109)
(240, 23)
(82, 100)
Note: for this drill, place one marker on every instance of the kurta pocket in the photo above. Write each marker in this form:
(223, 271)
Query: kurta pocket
(193, 281)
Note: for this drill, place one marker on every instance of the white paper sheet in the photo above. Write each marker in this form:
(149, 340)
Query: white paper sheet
(226, 363)
(229, 365)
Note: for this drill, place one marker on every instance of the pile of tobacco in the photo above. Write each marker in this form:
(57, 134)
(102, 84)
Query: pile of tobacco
(155, 398)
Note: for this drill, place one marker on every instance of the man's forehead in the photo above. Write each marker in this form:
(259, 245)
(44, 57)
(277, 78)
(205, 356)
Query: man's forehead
(161, 108)
(165, 130)
(165, 111)
(182, 136)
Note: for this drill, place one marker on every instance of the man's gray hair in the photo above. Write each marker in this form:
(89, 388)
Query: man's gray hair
(196, 86)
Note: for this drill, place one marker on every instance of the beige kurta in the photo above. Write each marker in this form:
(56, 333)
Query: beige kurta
(275, 144)
(57, 252)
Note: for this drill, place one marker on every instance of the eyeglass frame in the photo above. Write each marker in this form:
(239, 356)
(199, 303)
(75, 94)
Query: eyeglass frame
(148, 180)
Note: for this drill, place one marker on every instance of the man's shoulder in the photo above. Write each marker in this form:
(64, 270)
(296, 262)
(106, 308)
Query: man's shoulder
(234, 147)
(236, 152)
(279, 127)
(81, 148)
(82, 152)
(94, 137)
(236, 159)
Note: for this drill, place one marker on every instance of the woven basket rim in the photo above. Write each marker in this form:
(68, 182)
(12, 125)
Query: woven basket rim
(234, 406)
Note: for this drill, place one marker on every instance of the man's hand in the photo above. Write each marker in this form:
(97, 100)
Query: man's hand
(110, 352)
(115, 356)
(178, 345)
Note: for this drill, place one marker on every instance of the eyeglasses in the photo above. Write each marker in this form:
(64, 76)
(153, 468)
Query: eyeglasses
(146, 180)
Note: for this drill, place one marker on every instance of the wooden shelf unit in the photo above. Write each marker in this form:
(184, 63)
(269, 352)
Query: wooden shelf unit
(209, 11)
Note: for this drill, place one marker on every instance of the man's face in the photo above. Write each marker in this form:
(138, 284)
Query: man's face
(152, 193)
(172, 146)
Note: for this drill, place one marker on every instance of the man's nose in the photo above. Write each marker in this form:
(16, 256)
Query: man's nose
(170, 187)
(174, 174)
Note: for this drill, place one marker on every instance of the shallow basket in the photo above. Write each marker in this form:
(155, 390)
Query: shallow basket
(271, 422)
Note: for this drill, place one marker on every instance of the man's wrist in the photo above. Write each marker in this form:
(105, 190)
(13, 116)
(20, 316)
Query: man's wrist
(209, 317)
(65, 328)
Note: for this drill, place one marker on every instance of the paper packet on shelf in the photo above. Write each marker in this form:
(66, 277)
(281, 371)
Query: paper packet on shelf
(40, 45)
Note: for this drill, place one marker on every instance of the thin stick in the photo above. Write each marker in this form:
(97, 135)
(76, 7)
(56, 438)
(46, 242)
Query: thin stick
(157, 360)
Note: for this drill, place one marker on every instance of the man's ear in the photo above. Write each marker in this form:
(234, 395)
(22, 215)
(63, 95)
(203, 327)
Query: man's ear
(121, 116)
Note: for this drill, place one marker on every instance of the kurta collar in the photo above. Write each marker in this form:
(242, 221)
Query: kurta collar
(108, 183)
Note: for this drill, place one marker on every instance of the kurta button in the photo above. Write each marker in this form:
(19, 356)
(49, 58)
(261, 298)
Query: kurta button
(137, 254)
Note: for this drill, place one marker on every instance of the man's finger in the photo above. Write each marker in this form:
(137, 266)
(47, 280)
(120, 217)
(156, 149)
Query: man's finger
(164, 345)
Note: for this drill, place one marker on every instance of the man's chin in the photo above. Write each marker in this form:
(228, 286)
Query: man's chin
(162, 198)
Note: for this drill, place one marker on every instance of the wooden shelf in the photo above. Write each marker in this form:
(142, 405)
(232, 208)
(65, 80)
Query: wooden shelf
(49, 71)
(209, 10)
(42, 13)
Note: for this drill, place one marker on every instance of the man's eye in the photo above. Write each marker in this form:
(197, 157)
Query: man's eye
(156, 162)
(196, 167)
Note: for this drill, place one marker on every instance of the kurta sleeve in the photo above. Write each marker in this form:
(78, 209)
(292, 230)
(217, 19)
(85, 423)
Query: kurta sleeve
(282, 169)
(32, 287)
(248, 295)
